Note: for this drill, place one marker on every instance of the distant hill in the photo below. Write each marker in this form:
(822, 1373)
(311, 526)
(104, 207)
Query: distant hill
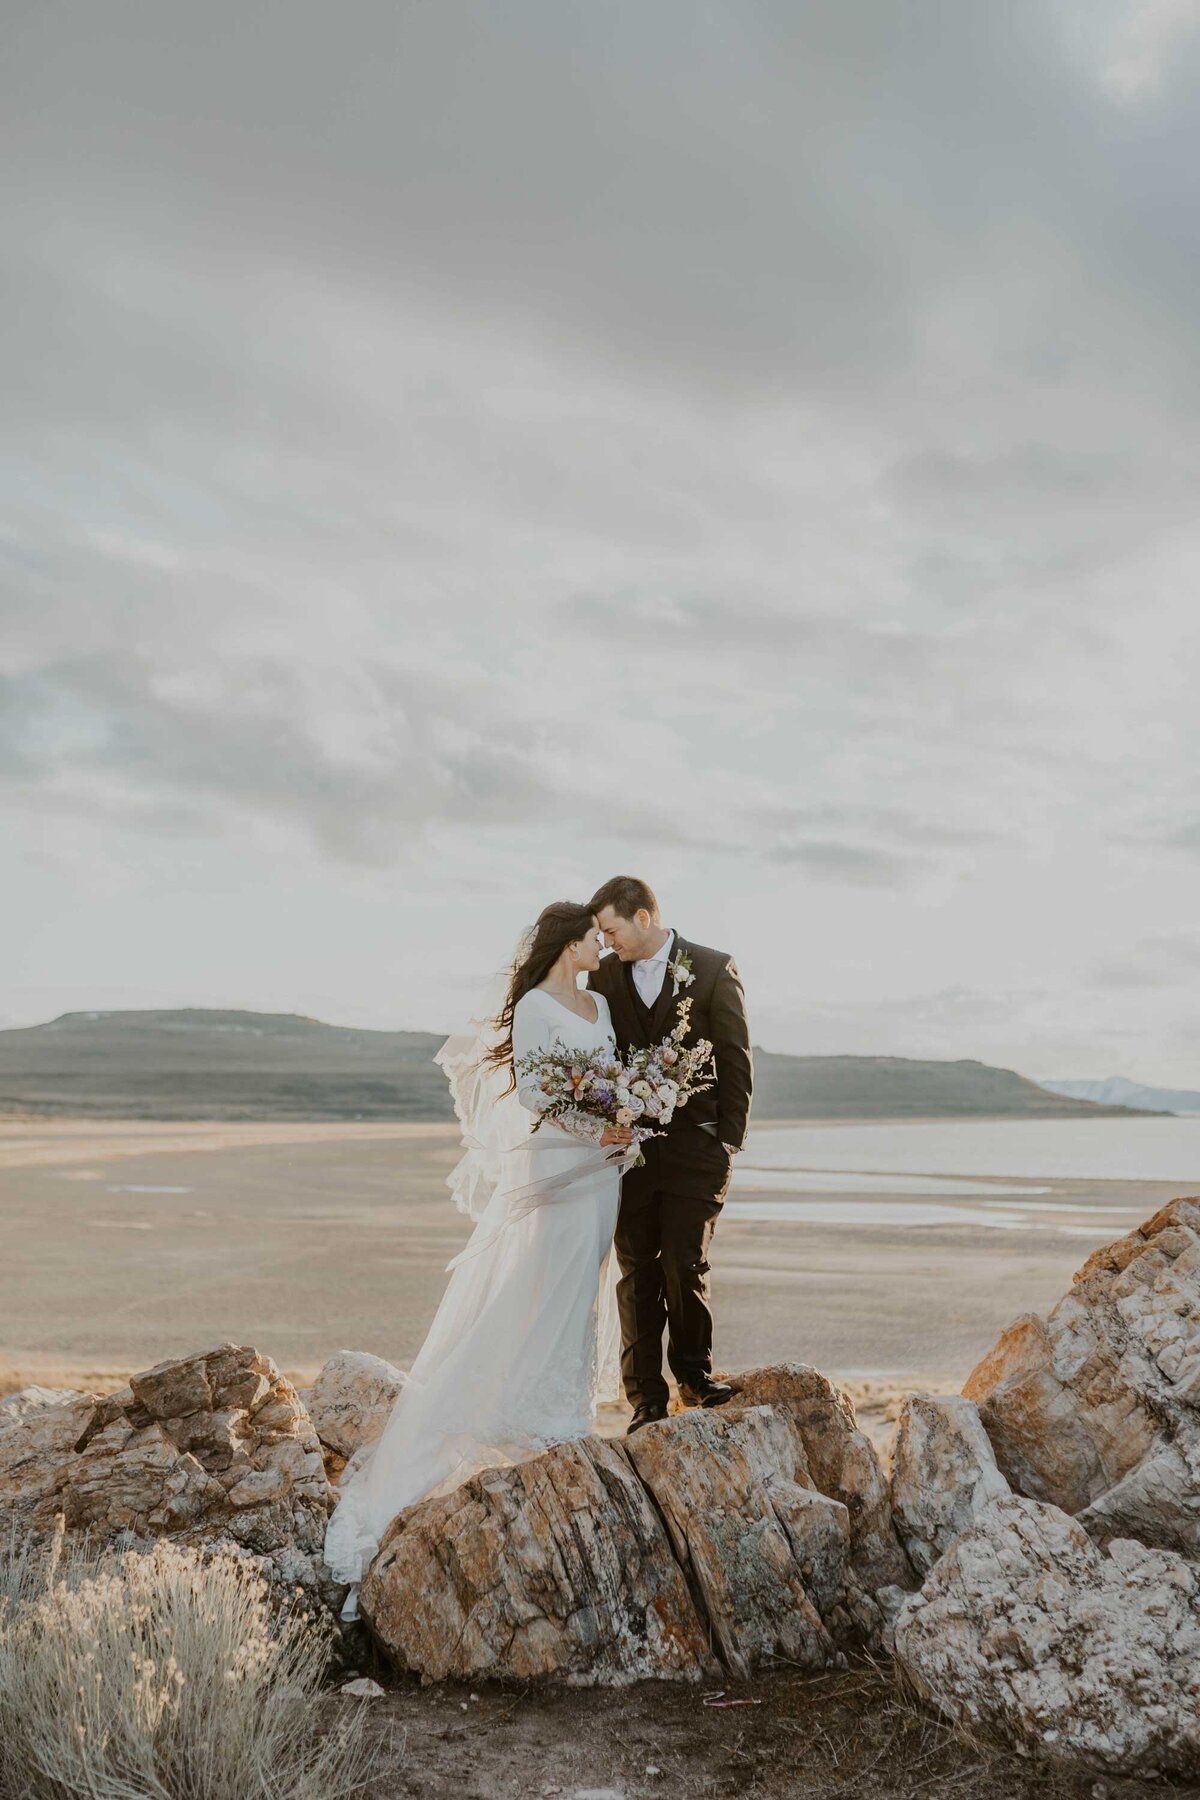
(897, 1087)
(1116, 1091)
(198, 1063)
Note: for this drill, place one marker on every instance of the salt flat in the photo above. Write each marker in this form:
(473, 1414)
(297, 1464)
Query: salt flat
(127, 1242)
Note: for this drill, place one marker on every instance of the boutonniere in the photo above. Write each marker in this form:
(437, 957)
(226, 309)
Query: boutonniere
(681, 973)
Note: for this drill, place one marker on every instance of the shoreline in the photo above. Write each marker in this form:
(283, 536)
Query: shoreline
(27, 1139)
(18, 1120)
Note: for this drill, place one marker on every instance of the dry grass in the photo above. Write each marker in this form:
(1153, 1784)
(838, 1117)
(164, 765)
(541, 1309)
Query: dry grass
(162, 1675)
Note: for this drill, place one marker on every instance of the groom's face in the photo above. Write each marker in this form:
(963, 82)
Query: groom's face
(630, 938)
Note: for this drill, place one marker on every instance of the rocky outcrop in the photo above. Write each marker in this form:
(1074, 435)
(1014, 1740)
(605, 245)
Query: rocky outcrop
(715, 1539)
(209, 1448)
(349, 1403)
(943, 1474)
(1097, 1408)
(1026, 1628)
(554, 1567)
(1073, 1636)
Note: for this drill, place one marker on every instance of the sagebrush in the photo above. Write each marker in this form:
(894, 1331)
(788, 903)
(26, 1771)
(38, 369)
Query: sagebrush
(163, 1674)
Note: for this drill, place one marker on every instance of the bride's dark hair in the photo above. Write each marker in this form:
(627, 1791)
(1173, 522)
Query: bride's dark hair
(561, 923)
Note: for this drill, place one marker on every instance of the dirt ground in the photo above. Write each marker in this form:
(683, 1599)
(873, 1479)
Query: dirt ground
(833, 1737)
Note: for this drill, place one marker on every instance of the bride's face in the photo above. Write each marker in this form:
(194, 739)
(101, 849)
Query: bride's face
(587, 950)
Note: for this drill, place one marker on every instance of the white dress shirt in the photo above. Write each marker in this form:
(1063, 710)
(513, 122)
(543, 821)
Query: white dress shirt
(650, 973)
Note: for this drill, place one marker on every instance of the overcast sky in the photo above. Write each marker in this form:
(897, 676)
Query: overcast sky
(455, 453)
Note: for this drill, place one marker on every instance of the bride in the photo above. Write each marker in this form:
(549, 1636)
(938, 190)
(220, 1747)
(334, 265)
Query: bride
(525, 1339)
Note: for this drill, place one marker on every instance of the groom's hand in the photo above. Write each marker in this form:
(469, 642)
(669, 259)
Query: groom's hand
(711, 1128)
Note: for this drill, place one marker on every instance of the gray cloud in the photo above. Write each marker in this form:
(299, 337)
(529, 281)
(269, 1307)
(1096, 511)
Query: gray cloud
(248, 740)
(829, 859)
(1165, 960)
(894, 824)
(755, 443)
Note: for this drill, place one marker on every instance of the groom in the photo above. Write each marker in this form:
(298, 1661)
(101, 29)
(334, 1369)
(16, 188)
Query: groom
(669, 1208)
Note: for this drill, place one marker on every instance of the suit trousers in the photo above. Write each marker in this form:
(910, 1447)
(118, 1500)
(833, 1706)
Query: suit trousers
(662, 1241)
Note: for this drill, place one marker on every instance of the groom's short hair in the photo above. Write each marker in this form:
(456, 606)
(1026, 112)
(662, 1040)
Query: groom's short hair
(626, 895)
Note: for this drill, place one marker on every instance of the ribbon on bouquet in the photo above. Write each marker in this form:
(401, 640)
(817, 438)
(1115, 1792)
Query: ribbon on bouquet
(512, 1204)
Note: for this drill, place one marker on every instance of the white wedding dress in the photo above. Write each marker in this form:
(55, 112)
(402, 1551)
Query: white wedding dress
(525, 1338)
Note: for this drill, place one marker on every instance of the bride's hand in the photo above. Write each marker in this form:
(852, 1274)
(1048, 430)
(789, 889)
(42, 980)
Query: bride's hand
(617, 1134)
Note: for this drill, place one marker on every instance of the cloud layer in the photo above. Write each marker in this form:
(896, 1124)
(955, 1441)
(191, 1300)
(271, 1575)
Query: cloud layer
(453, 453)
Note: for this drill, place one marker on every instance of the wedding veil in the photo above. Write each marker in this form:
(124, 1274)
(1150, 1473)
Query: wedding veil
(492, 1122)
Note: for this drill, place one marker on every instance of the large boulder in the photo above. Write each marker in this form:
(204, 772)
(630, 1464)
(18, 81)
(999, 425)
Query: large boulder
(1097, 1408)
(1026, 1629)
(943, 1474)
(557, 1567)
(209, 1448)
(701, 1542)
(765, 1551)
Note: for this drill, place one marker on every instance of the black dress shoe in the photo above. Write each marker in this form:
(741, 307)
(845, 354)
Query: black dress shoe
(705, 1392)
(646, 1415)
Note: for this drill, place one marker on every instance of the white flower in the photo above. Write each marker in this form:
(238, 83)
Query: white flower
(635, 1106)
(624, 1116)
(642, 1089)
(681, 972)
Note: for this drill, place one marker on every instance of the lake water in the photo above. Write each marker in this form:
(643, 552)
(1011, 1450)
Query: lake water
(969, 1171)
(1031, 1149)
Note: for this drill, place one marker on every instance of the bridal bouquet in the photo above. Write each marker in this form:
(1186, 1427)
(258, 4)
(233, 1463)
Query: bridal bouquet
(642, 1092)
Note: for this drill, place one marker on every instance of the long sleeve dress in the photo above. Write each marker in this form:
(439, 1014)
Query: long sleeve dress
(510, 1364)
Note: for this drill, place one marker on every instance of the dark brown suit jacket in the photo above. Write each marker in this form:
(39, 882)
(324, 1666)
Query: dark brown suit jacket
(688, 1155)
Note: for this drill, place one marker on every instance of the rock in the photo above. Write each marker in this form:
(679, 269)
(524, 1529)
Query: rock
(718, 1538)
(889, 1601)
(558, 1566)
(702, 1537)
(1027, 1629)
(1097, 1408)
(351, 1399)
(943, 1472)
(763, 1549)
(38, 1427)
(841, 1460)
(30, 1403)
(364, 1688)
(208, 1448)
